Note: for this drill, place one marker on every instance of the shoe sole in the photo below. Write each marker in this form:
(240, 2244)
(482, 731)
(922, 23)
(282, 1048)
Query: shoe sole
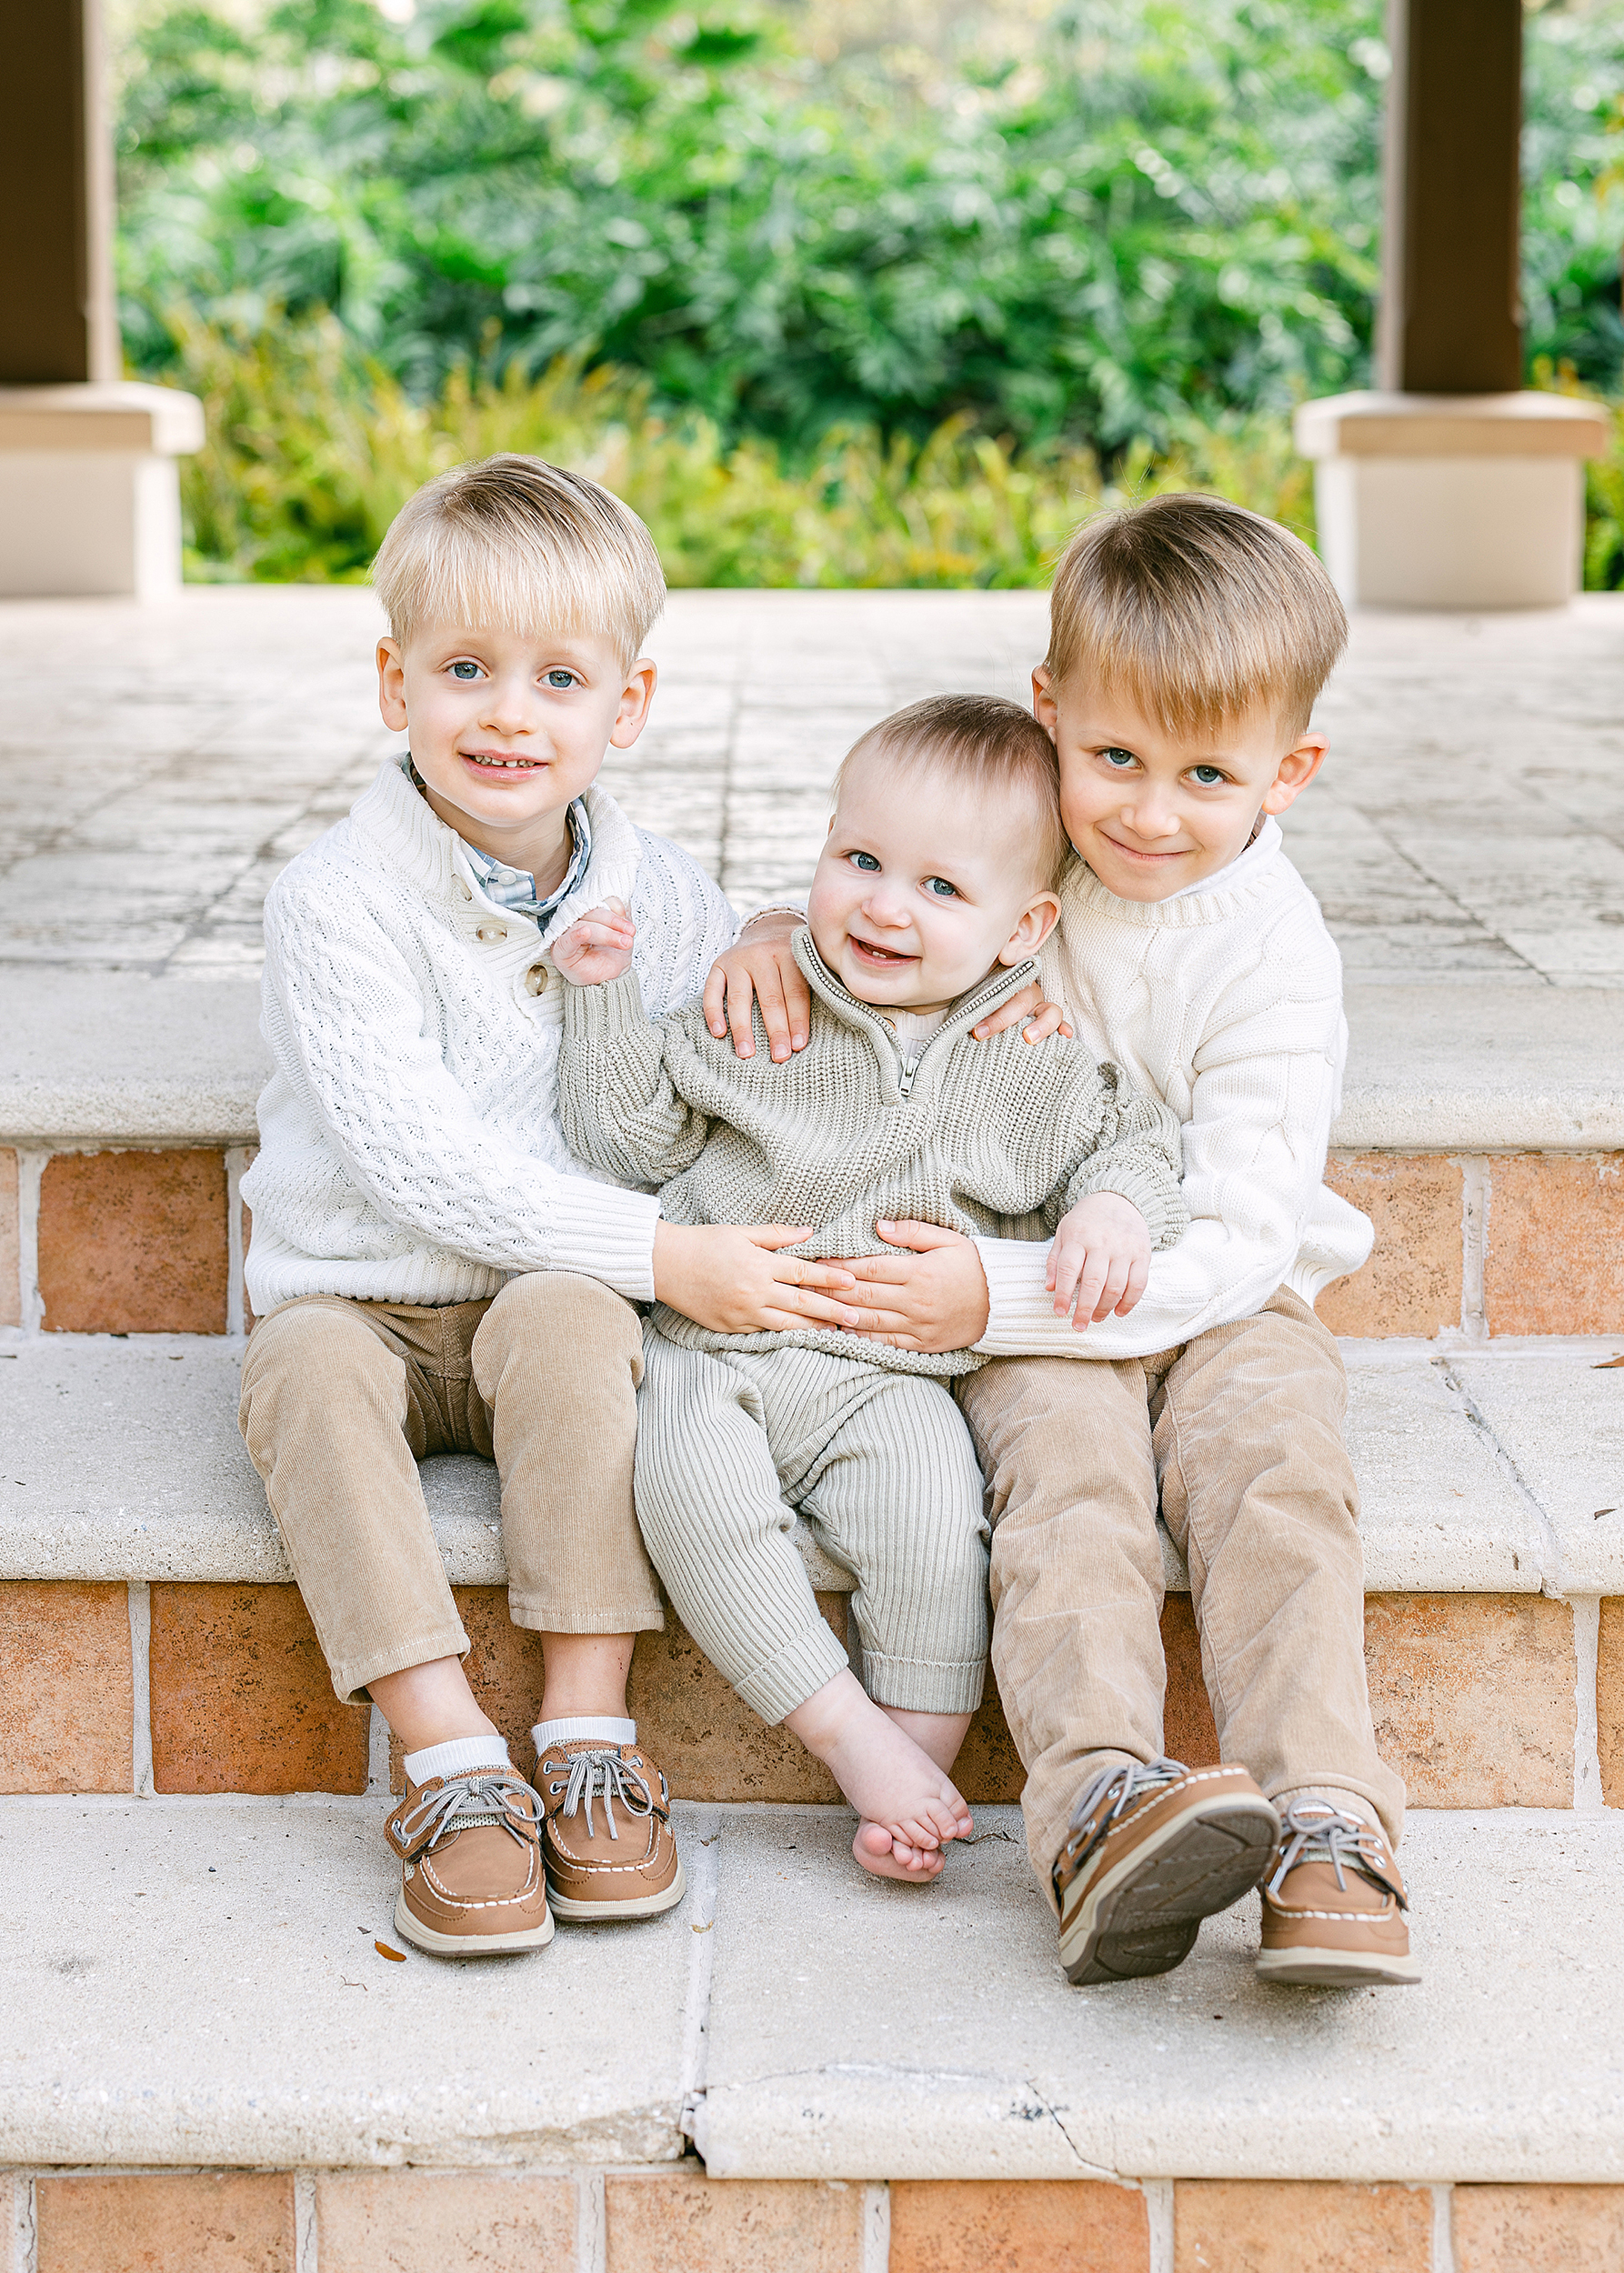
(440, 1944)
(1143, 1917)
(1336, 1968)
(577, 1913)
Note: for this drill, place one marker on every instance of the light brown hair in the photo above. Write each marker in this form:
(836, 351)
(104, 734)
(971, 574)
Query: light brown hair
(1197, 611)
(993, 748)
(516, 544)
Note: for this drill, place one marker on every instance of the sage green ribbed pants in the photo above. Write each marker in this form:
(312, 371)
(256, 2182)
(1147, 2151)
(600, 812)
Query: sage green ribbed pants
(731, 1444)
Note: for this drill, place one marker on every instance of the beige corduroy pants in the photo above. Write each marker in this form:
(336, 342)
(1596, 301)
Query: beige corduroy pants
(730, 1445)
(1238, 1435)
(341, 1400)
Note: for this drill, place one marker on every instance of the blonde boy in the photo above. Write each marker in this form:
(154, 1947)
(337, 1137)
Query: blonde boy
(1189, 641)
(431, 1271)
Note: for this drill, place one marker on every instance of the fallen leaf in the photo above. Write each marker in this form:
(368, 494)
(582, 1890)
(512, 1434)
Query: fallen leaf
(1603, 1511)
(1606, 1365)
(383, 1950)
(703, 1929)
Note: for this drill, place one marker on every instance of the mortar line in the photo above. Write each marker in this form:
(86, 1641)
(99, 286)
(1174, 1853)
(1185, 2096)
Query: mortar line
(1443, 2229)
(1474, 1247)
(378, 1757)
(1587, 1739)
(306, 2237)
(704, 1857)
(876, 2228)
(25, 2224)
(591, 2229)
(31, 1169)
(140, 1601)
(1158, 2221)
(235, 1300)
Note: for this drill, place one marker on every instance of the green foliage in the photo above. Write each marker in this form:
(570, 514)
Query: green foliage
(311, 450)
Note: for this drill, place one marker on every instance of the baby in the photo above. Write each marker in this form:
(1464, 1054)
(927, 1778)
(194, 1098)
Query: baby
(935, 891)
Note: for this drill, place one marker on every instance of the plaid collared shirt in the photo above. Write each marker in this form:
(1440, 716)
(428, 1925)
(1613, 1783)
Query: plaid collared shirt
(515, 888)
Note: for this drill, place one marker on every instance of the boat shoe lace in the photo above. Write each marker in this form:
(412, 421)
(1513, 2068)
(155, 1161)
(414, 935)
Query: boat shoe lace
(1133, 1781)
(463, 1803)
(601, 1773)
(1316, 1832)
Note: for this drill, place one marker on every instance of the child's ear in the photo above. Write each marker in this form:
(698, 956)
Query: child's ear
(391, 685)
(1298, 769)
(1037, 919)
(635, 697)
(1044, 707)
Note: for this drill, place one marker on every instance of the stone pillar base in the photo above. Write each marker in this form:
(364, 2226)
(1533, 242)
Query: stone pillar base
(1464, 501)
(89, 497)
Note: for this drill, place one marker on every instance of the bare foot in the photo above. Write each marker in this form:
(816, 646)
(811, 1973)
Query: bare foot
(909, 1806)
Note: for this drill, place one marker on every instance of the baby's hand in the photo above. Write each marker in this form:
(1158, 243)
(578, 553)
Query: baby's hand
(1100, 1258)
(597, 947)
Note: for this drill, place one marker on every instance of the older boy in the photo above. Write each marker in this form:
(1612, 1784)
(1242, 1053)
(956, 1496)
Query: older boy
(431, 1271)
(1189, 640)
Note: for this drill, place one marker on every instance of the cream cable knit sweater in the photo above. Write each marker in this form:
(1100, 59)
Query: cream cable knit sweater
(974, 1135)
(410, 1148)
(1226, 1004)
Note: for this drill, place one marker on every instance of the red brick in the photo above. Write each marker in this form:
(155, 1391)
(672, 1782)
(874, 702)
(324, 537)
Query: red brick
(1553, 1260)
(1610, 1699)
(1018, 2226)
(241, 1696)
(1538, 2229)
(682, 2222)
(454, 2221)
(1472, 1696)
(134, 1243)
(67, 1700)
(1190, 1733)
(1299, 2226)
(231, 2221)
(1412, 1284)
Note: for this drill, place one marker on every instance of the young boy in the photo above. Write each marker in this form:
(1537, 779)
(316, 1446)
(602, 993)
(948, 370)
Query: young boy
(935, 890)
(1189, 641)
(431, 1271)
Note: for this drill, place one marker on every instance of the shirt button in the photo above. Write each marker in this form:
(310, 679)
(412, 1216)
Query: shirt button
(462, 892)
(507, 876)
(491, 933)
(535, 979)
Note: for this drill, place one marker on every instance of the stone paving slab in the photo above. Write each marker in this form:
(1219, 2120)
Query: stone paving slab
(862, 2030)
(1557, 1408)
(197, 1982)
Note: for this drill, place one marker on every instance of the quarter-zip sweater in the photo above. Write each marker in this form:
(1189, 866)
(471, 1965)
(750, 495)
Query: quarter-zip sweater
(410, 1148)
(977, 1136)
(1224, 1001)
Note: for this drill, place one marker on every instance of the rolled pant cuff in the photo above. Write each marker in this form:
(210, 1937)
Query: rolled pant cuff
(352, 1682)
(812, 1659)
(536, 1614)
(925, 1686)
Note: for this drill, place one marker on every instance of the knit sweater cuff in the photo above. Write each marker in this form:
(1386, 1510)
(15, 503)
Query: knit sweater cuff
(603, 1012)
(1020, 1315)
(604, 1232)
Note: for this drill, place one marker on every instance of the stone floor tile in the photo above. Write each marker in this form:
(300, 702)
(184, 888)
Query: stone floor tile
(1473, 1696)
(1222, 2225)
(1412, 1284)
(1553, 1259)
(133, 1243)
(1557, 1411)
(242, 1700)
(419, 2221)
(1538, 2229)
(67, 1698)
(683, 2222)
(212, 2221)
(1018, 2226)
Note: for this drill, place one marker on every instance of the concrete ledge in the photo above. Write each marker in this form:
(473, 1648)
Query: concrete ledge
(121, 1460)
(1369, 423)
(123, 414)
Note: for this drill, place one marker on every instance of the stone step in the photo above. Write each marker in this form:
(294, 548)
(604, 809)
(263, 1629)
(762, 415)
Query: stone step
(1482, 1130)
(796, 2069)
(158, 1644)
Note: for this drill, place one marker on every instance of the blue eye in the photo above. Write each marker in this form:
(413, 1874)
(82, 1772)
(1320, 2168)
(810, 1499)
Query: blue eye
(561, 678)
(464, 670)
(1119, 758)
(941, 888)
(866, 862)
(1208, 776)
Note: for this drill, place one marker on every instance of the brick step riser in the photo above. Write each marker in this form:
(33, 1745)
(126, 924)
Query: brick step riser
(151, 1241)
(630, 2221)
(1479, 1700)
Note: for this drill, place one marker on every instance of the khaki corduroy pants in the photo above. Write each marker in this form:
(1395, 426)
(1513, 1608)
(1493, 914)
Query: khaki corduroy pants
(341, 1400)
(1238, 1434)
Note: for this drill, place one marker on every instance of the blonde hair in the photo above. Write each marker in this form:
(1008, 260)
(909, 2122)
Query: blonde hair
(514, 542)
(991, 747)
(1197, 611)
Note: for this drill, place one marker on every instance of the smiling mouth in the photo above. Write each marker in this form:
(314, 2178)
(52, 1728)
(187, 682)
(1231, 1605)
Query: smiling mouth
(493, 762)
(1133, 852)
(881, 957)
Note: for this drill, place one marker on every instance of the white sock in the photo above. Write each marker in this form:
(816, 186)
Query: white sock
(584, 1728)
(456, 1757)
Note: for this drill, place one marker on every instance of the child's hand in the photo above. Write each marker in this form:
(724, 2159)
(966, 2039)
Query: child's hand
(597, 947)
(1100, 1259)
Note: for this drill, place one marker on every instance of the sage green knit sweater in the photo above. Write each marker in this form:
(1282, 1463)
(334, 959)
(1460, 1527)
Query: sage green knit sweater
(996, 1137)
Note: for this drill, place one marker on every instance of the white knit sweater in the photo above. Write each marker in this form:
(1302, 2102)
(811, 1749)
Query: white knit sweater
(410, 1148)
(1226, 1004)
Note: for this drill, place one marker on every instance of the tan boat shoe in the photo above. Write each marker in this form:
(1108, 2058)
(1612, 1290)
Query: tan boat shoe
(1152, 1851)
(607, 1839)
(1334, 1904)
(472, 1880)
